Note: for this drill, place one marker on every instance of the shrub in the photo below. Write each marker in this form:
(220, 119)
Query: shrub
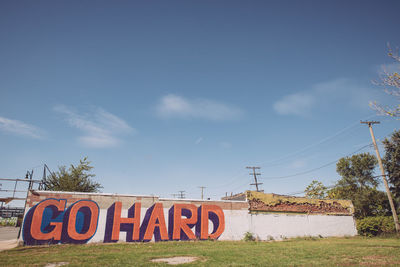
(248, 236)
(373, 226)
(8, 221)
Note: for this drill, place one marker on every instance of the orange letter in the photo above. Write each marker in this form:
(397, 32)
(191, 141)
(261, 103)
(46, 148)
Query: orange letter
(156, 215)
(217, 218)
(37, 217)
(117, 221)
(94, 216)
(180, 223)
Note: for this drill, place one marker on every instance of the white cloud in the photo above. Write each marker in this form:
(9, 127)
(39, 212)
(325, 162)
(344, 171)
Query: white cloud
(198, 140)
(225, 145)
(20, 128)
(295, 104)
(327, 95)
(177, 106)
(297, 164)
(100, 128)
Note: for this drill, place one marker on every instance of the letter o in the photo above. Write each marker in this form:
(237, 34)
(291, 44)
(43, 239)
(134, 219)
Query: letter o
(94, 217)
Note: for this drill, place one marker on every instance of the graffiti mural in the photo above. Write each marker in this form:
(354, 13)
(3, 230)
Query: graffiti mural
(50, 222)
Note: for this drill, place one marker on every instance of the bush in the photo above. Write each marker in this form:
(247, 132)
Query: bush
(373, 226)
(248, 236)
(8, 221)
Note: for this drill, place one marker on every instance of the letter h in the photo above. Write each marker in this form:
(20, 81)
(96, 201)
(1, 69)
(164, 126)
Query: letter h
(133, 219)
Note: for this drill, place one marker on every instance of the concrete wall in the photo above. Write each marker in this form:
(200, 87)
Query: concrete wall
(62, 217)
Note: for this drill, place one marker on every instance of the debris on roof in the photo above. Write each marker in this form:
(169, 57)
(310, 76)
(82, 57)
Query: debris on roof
(259, 201)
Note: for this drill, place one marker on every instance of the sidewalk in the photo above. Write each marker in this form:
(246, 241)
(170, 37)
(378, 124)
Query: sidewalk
(8, 237)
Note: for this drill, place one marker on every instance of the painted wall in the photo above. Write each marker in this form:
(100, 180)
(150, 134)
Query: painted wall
(62, 217)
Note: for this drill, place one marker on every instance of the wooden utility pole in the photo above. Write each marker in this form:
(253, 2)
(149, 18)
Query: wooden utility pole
(181, 194)
(255, 176)
(202, 188)
(389, 195)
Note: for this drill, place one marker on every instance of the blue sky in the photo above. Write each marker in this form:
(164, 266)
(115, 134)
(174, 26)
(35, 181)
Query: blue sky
(165, 96)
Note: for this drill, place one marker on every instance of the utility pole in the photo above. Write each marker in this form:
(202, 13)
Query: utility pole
(181, 194)
(202, 190)
(42, 185)
(255, 176)
(389, 195)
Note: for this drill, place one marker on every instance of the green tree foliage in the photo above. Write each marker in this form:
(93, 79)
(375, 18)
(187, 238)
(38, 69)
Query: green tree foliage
(316, 190)
(75, 179)
(357, 171)
(359, 184)
(367, 201)
(377, 225)
(391, 162)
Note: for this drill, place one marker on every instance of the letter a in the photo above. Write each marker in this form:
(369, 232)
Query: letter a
(156, 220)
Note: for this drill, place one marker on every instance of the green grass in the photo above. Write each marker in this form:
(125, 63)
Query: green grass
(296, 252)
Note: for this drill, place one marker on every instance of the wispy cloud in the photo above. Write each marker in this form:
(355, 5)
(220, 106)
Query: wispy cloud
(295, 104)
(198, 140)
(20, 128)
(100, 128)
(225, 145)
(171, 106)
(326, 95)
(298, 164)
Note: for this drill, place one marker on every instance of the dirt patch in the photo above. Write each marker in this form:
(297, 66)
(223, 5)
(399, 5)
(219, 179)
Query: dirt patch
(376, 257)
(286, 206)
(176, 260)
(56, 264)
(377, 260)
(372, 260)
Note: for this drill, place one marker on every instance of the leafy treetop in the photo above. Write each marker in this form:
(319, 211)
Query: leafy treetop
(75, 179)
(391, 161)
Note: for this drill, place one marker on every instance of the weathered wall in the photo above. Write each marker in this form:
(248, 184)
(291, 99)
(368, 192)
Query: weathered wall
(281, 226)
(62, 217)
(259, 201)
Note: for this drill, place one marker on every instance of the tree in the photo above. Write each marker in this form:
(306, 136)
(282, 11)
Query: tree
(357, 171)
(391, 162)
(359, 184)
(75, 179)
(316, 190)
(390, 80)
(367, 201)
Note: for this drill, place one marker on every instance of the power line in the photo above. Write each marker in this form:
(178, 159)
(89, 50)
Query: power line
(312, 154)
(389, 196)
(312, 170)
(238, 176)
(279, 161)
(254, 168)
(293, 175)
(202, 191)
(351, 126)
(301, 173)
(303, 191)
(240, 186)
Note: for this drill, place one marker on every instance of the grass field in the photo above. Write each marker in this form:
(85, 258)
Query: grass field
(300, 252)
